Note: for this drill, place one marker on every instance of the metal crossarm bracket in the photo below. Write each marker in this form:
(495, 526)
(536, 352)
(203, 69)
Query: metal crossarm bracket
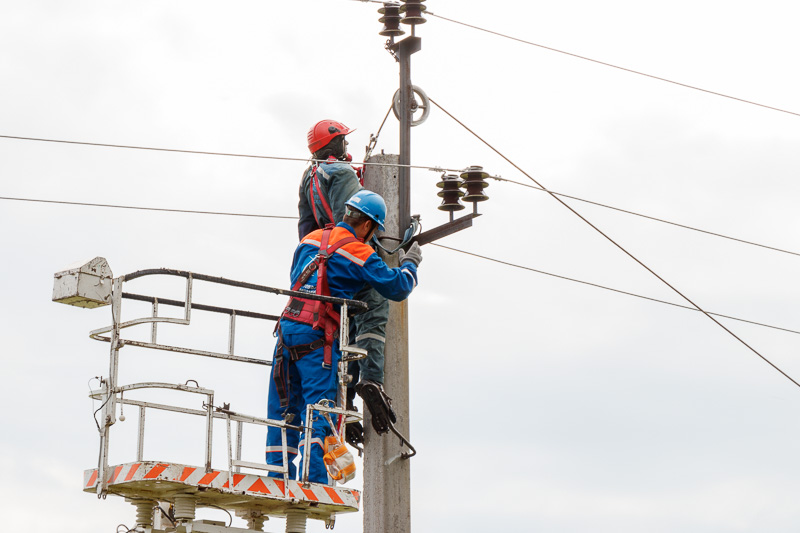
(427, 237)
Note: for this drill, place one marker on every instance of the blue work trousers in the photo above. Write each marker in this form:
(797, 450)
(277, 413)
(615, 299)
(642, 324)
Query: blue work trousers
(308, 383)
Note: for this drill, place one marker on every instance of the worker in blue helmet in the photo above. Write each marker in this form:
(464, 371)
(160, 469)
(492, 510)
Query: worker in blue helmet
(305, 361)
(326, 189)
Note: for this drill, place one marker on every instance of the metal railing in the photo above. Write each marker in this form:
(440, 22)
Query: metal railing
(111, 393)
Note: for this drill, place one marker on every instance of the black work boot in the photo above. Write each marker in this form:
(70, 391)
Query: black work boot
(354, 431)
(379, 404)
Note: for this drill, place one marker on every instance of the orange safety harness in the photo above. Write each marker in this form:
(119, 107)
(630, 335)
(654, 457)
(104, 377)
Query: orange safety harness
(316, 313)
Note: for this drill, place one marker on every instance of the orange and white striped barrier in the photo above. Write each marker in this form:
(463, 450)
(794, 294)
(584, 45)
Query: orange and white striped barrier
(167, 479)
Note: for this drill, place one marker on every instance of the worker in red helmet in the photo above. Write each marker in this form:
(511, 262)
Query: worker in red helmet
(330, 181)
(327, 184)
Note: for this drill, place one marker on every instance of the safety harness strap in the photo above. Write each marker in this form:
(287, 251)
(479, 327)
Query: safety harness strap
(315, 189)
(281, 366)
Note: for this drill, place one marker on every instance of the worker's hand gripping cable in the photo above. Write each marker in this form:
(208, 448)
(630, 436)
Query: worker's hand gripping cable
(413, 255)
(412, 230)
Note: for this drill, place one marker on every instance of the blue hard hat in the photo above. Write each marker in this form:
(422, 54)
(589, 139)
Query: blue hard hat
(371, 204)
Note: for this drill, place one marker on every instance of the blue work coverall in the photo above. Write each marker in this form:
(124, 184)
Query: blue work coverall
(348, 269)
(338, 182)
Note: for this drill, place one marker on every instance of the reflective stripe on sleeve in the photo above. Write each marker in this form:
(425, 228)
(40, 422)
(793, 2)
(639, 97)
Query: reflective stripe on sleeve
(351, 257)
(411, 275)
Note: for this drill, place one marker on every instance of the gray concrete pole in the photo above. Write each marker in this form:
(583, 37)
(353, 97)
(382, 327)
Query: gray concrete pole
(387, 488)
(404, 171)
(405, 49)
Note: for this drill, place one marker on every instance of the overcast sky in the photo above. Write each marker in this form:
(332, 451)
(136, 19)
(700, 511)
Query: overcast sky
(538, 404)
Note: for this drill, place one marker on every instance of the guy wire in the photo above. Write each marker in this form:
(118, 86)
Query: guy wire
(612, 241)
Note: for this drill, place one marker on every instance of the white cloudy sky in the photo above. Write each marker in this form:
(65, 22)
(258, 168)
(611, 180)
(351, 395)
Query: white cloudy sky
(537, 403)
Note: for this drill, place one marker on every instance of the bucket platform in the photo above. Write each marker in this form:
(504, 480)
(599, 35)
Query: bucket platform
(166, 494)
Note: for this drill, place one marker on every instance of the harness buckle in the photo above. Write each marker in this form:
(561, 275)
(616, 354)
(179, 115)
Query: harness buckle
(293, 308)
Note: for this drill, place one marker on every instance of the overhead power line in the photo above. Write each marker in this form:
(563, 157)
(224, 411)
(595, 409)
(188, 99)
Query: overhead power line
(522, 267)
(168, 210)
(86, 204)
(655, 219)
(619, 246)
(225, 154)
(130, 147)
(421, 167)
(693, 87)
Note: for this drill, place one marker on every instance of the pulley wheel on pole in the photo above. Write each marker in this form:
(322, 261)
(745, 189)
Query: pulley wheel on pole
(424, 106)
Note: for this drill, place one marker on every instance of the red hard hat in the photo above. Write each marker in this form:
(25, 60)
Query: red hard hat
(323, 131)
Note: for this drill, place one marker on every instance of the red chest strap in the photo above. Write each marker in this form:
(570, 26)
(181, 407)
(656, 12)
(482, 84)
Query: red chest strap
(315, 190)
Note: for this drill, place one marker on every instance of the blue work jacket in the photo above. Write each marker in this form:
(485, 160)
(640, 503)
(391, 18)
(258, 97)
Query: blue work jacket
(352, 266)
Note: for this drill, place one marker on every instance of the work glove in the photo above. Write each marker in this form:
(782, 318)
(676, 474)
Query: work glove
(354, 434)
(413, 255)
(354, 431)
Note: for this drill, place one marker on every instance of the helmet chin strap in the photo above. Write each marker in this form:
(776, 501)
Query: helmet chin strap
(371, 233)
(342, 156)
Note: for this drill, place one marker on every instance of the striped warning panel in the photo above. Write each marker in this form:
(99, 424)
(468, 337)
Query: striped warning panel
(251, 484)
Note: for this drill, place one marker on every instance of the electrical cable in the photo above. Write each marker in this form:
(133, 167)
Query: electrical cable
(454, 249)
(656, 219)
(166, 515)
(91, 399)
(497, 178)
(224, 154)
(612, 65)
(105, 145)
(553, 194)
(522, 267)
(422, 167)
(94, 415)
(606, 206)
(149, 208)
(230, 518)
(619, 246)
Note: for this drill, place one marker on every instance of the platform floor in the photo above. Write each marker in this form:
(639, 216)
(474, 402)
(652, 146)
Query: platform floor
(271, 496)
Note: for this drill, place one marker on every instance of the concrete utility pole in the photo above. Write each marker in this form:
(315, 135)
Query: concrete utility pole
(387, 488)
(405, 48)
(387, 476)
